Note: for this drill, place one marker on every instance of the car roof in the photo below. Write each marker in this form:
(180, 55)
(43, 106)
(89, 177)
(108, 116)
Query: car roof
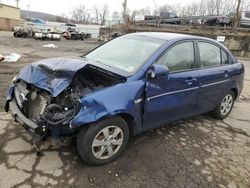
(166, 36)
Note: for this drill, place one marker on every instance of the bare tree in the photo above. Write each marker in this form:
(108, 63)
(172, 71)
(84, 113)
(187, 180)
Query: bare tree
(62, 18)
(201, 8)
(134, 14)
(88, 15)
(245, 5)
(144, 11)
(140, 12)
(206, 7)
(104, 13)
(80, 14)
(228, 7)
(125, 13)
(237, 15)
(218, 6)
(96, 13)
(166, 8)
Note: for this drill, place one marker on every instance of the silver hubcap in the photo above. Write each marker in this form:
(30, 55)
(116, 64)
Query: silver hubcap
(226, 104)
(107, 142)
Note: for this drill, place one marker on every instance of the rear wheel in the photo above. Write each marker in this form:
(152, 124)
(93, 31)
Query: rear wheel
(104, 141)
(225, 106)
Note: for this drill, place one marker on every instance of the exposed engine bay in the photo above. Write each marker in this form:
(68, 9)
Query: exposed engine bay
(39, 106)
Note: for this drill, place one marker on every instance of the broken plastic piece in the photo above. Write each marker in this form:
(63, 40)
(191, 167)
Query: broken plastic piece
(13, 57)
(50, 46)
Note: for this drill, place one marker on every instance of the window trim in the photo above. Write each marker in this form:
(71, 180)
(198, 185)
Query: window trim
(228, 62)
(195, 64)
(215, 44)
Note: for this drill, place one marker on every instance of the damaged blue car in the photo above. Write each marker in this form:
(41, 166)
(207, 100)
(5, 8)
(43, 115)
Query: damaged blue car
(133, 83)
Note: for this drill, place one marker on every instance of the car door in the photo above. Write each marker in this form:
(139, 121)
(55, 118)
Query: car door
(215, 75)
(173, 97)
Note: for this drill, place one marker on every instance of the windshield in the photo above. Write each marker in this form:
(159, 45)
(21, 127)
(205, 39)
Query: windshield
(127, 53)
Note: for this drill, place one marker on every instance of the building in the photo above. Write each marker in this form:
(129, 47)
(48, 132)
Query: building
(116, 16)
(9, 17)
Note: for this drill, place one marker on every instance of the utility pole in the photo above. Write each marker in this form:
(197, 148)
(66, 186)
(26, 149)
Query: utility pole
(28, 10)
(124, 10)
(17, 3)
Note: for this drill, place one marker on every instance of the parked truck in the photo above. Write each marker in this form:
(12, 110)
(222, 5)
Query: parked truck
(164, 18)
(245, 19)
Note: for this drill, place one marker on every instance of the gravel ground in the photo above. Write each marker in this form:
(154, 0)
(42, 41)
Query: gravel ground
(198, 152)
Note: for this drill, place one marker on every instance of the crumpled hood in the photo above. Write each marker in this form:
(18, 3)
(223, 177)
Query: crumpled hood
(53, 75)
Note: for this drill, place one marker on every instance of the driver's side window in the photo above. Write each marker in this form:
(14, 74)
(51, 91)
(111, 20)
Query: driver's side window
(179, 58)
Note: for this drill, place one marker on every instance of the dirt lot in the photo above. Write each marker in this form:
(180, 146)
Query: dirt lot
(198, 152)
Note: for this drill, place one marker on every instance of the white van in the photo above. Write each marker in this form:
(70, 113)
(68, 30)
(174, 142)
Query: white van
(245, 19)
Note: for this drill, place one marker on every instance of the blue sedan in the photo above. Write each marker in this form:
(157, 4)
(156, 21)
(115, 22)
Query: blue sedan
(131, 84)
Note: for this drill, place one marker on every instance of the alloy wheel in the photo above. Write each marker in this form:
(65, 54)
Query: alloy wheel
(226, 104)
(107, 142)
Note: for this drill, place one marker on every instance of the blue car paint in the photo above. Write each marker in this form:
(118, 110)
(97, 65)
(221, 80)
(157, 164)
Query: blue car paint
(162, 101)
(52, 75)
(55, 74)
(112, 101)
(121, 98)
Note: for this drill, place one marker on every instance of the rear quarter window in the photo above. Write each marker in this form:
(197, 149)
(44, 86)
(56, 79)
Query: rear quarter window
(224, 57)
(212, 55)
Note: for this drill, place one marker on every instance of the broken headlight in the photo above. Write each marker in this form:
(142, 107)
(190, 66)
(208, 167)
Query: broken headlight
(14, 80)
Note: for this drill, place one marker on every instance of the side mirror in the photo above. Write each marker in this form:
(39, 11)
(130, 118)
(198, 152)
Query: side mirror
(158, 71)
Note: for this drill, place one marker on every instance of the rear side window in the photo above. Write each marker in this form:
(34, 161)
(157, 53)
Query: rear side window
(211, 55)
(179, 58)
(247, 14)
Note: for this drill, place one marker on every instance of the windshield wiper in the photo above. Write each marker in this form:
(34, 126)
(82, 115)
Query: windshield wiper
(103, 63)
(96, 61)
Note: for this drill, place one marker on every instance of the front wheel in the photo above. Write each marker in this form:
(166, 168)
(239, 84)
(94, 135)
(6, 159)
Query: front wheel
(103, 141)
(225, 106)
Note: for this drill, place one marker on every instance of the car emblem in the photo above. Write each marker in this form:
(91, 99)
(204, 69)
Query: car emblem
(22, 97)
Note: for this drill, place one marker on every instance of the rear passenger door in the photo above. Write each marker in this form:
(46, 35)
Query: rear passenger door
(214, 75)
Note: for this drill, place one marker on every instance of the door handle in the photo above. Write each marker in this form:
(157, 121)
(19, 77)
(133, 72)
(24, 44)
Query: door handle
(226, 74)
(190, 81)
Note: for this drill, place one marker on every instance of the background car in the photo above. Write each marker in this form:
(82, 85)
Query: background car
(245, 19)
(221, 20)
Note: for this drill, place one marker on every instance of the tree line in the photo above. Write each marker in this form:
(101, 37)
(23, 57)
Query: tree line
(99, 13)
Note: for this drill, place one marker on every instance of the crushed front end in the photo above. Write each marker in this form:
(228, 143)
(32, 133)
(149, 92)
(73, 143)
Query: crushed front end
(46, 97)
(41, 114)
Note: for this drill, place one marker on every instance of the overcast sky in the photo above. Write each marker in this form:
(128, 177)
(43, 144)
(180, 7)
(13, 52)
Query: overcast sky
(59, 6)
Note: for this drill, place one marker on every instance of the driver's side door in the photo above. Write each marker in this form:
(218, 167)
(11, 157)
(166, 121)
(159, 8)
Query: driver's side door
(174, 96)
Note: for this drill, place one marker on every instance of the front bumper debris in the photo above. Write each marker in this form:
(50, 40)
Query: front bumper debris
(37, 132)
(19, 117)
